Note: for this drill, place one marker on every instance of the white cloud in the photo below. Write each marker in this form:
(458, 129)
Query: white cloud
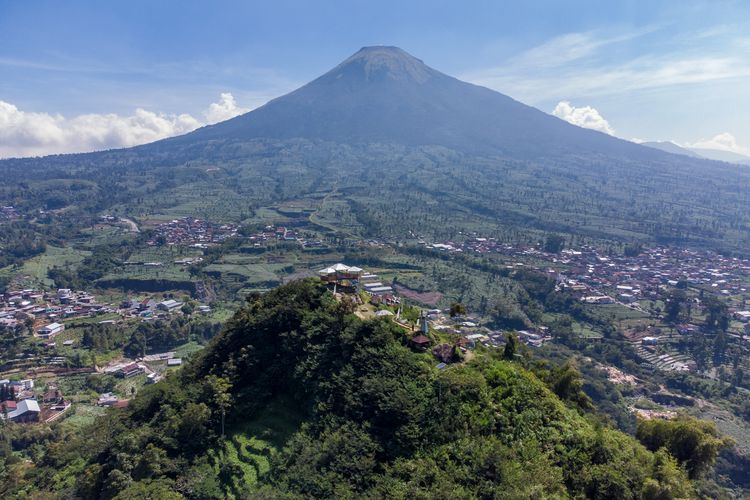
(586, 64)
(586, 117)
(225, 109)
(24, 133)
(723, 142)
(570, 47)
(649, 72)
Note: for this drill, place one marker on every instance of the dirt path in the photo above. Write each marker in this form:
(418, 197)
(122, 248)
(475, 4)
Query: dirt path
(132, 225)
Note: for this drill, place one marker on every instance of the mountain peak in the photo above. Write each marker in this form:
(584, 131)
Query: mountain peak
(383, 94)
(383, 62)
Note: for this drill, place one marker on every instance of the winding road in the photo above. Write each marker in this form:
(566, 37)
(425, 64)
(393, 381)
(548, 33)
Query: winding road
(131, 224)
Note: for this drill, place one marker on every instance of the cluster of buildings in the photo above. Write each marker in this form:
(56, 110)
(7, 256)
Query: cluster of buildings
(191, 231)
(282, 233)
(600, 278)
(46, 310)
(628, 279)
(467, 334)
(20, 403)
(149, 308)
(8, 213)
(476, 244)
(350, 279)
(201, 234)
(473, 333)
(45, 315)
(468, 331)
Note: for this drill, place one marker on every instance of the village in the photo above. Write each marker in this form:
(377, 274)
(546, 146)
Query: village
(42, 317)
(30, 400)
(191, 231)
(44, 313)
(283, 233)
(198, 233)
(449, 335)
(636, 275)
(599, 278)
(639, 281)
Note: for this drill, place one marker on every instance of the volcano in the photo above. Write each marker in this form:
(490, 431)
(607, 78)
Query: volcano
(409, 150)
(385, 95)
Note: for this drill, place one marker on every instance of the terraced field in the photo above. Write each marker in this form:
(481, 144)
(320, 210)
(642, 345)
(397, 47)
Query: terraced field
(251, 448)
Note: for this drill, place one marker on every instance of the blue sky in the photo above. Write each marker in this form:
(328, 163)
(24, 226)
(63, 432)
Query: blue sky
(80, 75)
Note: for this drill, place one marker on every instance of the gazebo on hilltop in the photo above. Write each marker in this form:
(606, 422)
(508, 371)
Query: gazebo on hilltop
(341, 276)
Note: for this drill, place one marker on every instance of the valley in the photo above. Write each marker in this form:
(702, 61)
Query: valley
(179, 298)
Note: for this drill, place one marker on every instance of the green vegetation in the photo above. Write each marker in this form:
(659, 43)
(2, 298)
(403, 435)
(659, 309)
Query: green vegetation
(693, 443)
(322, 404)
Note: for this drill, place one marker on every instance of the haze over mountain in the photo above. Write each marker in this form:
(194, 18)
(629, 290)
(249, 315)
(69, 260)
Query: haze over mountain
(704, 153)
(671, 147)
(721, 155)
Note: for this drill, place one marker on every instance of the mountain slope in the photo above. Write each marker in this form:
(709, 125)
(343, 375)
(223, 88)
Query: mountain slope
(404, 150)
(720, 155)
(671, 147)
(383, 94)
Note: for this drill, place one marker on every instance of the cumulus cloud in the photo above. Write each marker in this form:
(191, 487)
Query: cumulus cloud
(586, 117)
(225, 109)
(24, 133)
(723, 142)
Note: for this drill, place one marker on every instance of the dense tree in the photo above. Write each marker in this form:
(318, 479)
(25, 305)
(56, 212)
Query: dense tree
(675, 305)
(511, 346)
(567, 383)
(694, 443)
(717, 314)
(554, 243)
(633, 249)
(457, 309)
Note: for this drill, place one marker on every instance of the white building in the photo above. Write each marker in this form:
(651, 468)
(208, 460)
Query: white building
(49, 331)
(169, 305)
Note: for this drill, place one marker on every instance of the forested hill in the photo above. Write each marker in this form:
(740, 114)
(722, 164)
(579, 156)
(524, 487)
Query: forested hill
(319, 404)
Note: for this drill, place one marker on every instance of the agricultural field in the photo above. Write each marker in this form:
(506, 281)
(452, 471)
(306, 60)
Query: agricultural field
(36, 268)
(251, 445)
(82, 416)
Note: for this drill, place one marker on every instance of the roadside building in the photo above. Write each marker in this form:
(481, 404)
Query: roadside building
(107, 399)
(131, 370)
